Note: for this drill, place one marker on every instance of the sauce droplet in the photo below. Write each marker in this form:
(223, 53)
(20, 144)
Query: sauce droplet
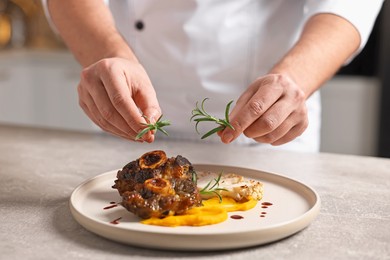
(262, 216)
(116, 221)
(236, 217)
(266, 204)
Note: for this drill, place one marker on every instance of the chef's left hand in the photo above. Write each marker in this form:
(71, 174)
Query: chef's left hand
(272, 110)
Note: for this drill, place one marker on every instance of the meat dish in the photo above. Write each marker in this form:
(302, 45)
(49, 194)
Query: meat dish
(157, 186)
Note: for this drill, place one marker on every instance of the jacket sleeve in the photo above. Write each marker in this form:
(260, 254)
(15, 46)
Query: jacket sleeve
(360, 13)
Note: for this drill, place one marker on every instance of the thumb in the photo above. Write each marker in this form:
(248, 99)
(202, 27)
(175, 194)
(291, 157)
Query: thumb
(149, 106)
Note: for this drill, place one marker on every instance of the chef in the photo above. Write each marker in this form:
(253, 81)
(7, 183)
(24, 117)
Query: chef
(142, 59)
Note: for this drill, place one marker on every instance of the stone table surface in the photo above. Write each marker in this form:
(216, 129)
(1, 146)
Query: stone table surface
(39, 169)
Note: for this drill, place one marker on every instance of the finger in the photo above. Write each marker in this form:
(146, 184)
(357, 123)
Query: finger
(149, 106)
(290, 128)
(245, 113)
(292, 134)
(106, 126)
(119, 93)
(253, 88)
(86, 102)
(101, 108)
(145, 98)
(275, 116)
(88, 106)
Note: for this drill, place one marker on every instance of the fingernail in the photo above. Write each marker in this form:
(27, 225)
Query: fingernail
(228, 137)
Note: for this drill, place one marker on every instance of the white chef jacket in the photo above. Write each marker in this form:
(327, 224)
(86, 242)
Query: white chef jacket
(215, 48)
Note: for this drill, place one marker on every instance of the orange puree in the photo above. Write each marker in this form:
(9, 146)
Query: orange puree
(212, 212)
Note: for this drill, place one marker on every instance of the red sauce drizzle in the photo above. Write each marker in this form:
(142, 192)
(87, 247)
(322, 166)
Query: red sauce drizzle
(236, 217)
(111, 206)
(116, 221)
(112, 202)
(264, 207)
(263, 213)
(262, 216)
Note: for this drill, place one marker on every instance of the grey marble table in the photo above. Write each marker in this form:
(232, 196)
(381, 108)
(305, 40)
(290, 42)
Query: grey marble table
(40, 168)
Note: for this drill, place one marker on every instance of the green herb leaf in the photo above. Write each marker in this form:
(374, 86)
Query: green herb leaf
(213, 131)
(199, 114)
(158, 126)
(194, 176)
(214, 189)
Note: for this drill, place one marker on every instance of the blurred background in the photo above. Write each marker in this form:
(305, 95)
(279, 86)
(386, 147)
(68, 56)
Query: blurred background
(39, 77)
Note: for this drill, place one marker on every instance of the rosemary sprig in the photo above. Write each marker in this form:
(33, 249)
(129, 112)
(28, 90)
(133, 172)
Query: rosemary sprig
(199, 114)
(194, 176)
(158, 125)
(213, 188)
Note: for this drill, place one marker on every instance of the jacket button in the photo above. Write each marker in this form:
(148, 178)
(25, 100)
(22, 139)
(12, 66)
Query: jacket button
(139, 25)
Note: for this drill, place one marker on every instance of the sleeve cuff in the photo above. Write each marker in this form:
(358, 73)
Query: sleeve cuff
(360, 13)
(48, 17)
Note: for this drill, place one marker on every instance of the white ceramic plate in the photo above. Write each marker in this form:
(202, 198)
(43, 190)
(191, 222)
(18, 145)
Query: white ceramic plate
(295, 206)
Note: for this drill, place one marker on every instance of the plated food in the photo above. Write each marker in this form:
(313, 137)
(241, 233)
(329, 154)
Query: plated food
(95, 205)
(170, 192)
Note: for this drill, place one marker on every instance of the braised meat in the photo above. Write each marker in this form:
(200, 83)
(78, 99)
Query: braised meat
(157, 186)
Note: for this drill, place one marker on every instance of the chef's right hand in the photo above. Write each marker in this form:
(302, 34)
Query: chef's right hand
(115, 93)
